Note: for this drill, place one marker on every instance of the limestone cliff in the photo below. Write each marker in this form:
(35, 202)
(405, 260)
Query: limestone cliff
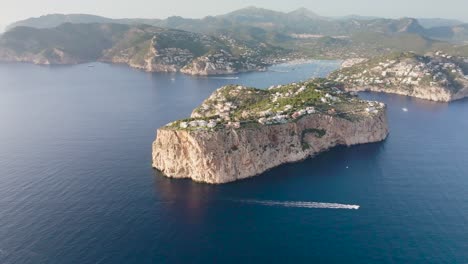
(225, 141)
(435, 77)
(431, 93)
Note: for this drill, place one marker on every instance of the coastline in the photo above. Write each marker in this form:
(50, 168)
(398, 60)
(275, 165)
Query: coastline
(265, 68)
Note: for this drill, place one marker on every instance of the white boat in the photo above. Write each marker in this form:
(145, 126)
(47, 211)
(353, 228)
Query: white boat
(405, 109)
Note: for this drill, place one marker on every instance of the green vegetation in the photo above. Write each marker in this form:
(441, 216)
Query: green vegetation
(132, 45)
(300, 33)
(238, 106)
(320, 133)
(406, 72)
(251, 102)
(270, 35)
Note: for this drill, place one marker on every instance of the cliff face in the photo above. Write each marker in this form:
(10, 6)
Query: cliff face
(233, 154)
(239, 132)
(431, 93)
(437, 77)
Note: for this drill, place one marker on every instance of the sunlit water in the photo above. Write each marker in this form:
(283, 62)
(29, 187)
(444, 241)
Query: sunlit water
(76, 183)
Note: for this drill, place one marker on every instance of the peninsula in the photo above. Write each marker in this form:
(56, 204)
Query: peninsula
(436, 77)
(240, 132)
(144, 47)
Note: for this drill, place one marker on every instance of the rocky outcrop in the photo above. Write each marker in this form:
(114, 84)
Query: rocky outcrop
(436, 77)
(219, 151)
(232, 154)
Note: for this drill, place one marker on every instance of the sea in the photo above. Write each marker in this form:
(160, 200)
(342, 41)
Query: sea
(76, 183)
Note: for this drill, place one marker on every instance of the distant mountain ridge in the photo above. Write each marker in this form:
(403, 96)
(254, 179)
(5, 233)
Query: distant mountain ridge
(55, 20)
(240, 38)
(300, 21)
(439, 22)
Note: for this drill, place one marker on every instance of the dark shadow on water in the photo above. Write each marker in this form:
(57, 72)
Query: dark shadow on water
(333, 163)
(314, 168)
(461, 101)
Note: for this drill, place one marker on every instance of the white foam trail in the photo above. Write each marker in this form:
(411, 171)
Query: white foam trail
(314, 205)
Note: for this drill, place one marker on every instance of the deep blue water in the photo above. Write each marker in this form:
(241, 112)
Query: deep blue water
(76, 183)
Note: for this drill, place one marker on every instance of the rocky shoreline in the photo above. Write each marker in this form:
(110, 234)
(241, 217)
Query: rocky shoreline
(436, 77)
(205, 66)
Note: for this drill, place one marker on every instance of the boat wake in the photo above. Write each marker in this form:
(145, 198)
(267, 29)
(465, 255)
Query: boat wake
(310, 205)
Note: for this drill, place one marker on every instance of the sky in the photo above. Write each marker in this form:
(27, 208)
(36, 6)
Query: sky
(13, 10)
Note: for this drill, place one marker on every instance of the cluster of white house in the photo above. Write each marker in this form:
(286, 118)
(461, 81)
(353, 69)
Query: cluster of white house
(174, 56)
(221, 107)
(374, 107)
(218, 105)
(329, 98)
(394, 72)
(288, 94)
(224, 110)
(281, 118)
(199, 123)
(221, 60)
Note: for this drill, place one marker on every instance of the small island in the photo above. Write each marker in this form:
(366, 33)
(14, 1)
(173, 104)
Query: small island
(436, 77)
(241, 132)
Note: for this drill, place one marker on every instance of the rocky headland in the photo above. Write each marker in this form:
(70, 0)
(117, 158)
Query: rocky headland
(240, 132)
(436, 77)
(144, 47)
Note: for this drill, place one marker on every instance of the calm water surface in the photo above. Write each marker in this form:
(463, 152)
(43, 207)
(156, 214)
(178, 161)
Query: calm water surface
(76, 184)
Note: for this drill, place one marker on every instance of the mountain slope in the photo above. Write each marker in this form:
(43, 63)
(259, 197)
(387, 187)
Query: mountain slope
(55, 20)
(304, 32)
(69, 43)
(301, 20)
(298, 21)
(438, 22)
(458, 33)
(145, 47)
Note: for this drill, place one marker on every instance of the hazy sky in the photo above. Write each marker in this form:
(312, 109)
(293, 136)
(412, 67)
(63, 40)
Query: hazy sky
(13, 10)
